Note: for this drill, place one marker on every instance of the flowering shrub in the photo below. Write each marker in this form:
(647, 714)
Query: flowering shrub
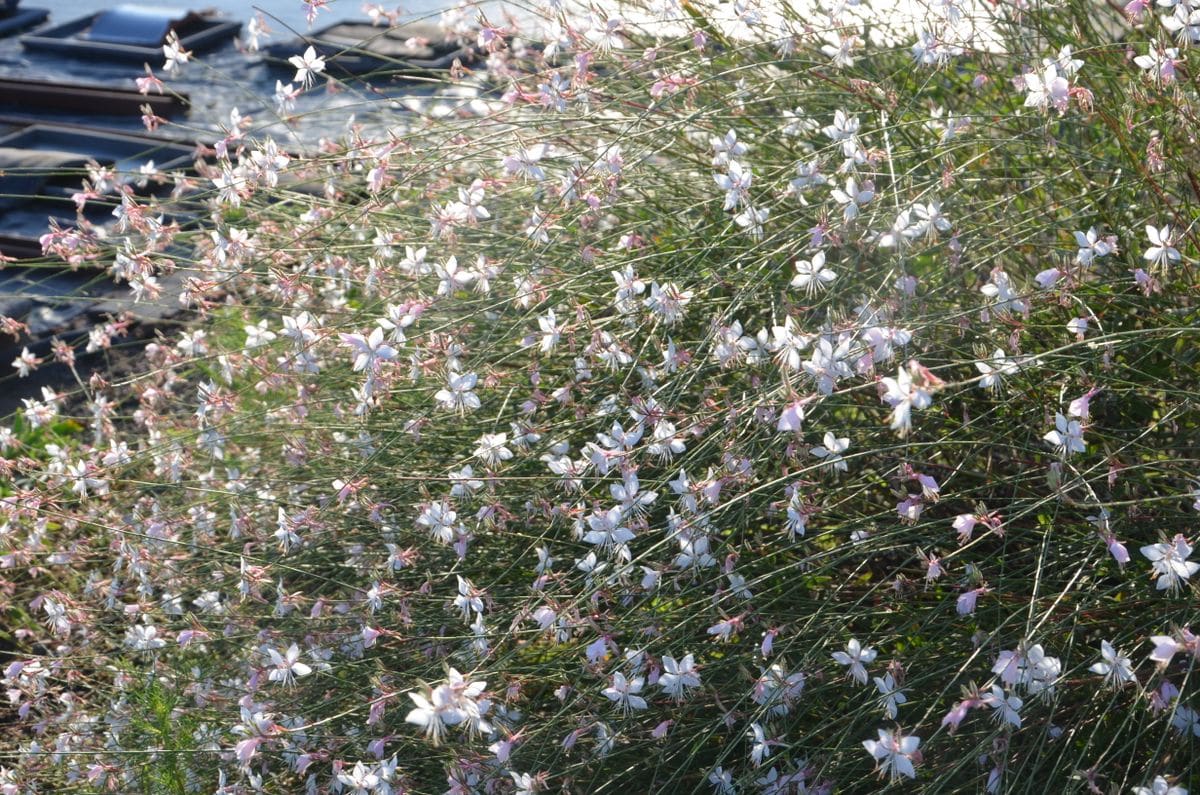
(740, 401)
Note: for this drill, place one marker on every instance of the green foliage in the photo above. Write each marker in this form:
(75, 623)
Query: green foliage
(159, 737)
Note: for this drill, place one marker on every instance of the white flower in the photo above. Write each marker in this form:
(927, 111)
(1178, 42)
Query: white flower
(724, 629)
(456, 702)
(606, 33)
(948, 125)
(525, 783)
(828, 364)
(469, 600)
(368, 350)
(1162, 251)
(1092, 246)
(812, 275)
(999, 366)
(259, 335)
(726, 148)
(791, 418)
(1043, 672)
(787, 343)
(491, 449)
(174, 53)
(1028, 667)
(853, 658)
(932, 51)
(904, 395)
(1165, 648)
(890, 694)
(429, 713)
(1186, 720)
(525, 162)
(287, 666)
(1066, 61)
(797, 518)
(26, 363)
(441, 520)
(1160, 786)
(1115, 667)
(457, 396)
(1007, 707)
(1047, 89)
(902, 231)
(624, 692)
(931, 220)
(853, 197)
(678, 676)
(760, 747)
(1067, 436)
(894, 753)
(668, 301)
(629, 493)
(607, 528)
(1160, 64)
(308, 66)
(844, 127)
(752, 220)
(777, 690)
(144, 637)
(832, 450)
(1004, 299)
(666, 444)
(551, 331)
(193, 343)
(56, 617)
(361, 780)
(808, 175)
(721, 781)
(736, 184)
(453, 277)
(629, 287)
(1170, 561)
(285, 97)
(300, 329)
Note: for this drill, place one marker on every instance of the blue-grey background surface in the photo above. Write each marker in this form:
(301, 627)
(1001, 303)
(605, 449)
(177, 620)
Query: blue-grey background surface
(227, 78)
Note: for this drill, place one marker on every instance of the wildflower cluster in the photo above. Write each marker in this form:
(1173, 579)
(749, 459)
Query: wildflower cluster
(730, 399)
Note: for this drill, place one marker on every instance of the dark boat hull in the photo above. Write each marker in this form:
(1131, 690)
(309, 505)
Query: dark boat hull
(86, 98)
(16, 21)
